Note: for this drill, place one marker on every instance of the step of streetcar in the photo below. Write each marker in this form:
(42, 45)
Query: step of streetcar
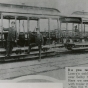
(22, 49)
(80, 48)
(25, 54)
(27, 57)
(46, 47)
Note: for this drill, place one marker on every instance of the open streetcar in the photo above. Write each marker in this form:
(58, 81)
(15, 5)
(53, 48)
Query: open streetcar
(23, 14)
(77, 38)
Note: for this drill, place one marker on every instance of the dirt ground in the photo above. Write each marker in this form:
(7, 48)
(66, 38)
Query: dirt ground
(53, 67)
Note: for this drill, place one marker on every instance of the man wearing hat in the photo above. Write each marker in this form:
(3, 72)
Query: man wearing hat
(39, 38)
(11, 39)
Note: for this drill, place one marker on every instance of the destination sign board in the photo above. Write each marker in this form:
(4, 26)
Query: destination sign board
(70, 20)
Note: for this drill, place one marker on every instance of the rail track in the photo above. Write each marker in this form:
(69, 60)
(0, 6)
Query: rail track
(60, 60)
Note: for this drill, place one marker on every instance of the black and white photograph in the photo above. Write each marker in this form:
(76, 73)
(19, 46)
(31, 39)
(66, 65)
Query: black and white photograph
(40, 38)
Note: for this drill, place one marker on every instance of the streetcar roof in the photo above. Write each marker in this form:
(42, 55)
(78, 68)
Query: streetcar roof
(42, 12)
(83, 15)
(21, 16)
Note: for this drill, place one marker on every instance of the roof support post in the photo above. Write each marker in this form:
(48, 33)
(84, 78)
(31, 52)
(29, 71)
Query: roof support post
(38, 24)
(23, 27)
(58, 27)
(81, 29)
(66, 31)
(58, 24)
(28, 24)
(84, 28)
(2, 28)
(49, 29)
(60, 31)
(78, 27)
(15, 22)
(28, 27)
(16, 25)
(72, 30)
(19, 26)
(9, 23)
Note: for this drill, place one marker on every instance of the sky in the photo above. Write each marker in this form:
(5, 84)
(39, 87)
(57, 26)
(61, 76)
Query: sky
(69, 6)
(66, 7)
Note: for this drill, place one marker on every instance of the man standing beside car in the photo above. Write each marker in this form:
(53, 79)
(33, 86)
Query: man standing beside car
(11, 39)
(39, 41)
